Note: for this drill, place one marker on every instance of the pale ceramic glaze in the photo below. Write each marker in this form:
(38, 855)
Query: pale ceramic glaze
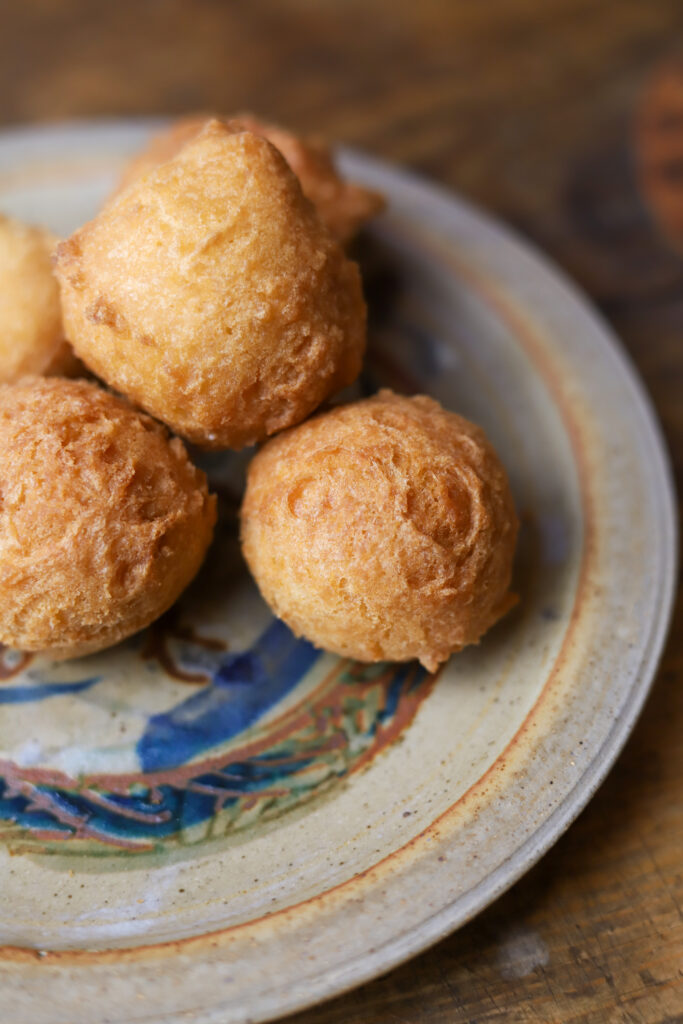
(215, 822)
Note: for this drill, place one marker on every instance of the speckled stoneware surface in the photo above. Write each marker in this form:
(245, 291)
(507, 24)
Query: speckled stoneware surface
(216, 822)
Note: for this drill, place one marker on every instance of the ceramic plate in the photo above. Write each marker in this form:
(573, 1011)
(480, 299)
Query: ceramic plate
(216, 822)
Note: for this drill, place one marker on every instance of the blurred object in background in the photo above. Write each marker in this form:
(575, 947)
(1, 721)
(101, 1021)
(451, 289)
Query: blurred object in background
(659, 142)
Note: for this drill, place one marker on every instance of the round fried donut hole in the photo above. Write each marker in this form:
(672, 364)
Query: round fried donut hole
(382, 530)
(210, 294)
(31, 333)
(103, 519)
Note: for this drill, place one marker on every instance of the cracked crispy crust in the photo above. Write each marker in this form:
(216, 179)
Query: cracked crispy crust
(211, 295)
(31, 333)
(381, 530)
(342, 206)
(103, 519)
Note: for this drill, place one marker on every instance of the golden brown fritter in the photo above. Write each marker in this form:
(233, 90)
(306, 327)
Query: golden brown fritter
(31, 334)
(210, 294)
(382, 530)
(342, 206)
(103, 519)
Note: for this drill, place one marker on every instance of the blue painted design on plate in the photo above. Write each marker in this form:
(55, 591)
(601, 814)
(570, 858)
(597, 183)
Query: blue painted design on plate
(40, 691)
(244, 687)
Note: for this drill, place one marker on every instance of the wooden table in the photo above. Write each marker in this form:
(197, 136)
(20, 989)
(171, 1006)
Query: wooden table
(528, 108)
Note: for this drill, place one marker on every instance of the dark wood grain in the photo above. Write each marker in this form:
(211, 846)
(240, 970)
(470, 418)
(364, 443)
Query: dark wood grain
(529, 108)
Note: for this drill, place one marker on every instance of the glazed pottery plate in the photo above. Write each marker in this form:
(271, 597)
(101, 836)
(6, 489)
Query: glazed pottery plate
(215, 821)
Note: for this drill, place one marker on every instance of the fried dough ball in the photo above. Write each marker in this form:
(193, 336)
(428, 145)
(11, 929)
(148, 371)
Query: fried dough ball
(103, 520)
(31, 334)
(382, 530)
(342, 206)
(211, 295)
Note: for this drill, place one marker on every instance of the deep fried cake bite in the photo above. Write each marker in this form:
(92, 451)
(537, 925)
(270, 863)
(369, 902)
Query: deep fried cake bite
(31, 334)
(382, 530)
(211, 295)
(342, 206)
(103, 519)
